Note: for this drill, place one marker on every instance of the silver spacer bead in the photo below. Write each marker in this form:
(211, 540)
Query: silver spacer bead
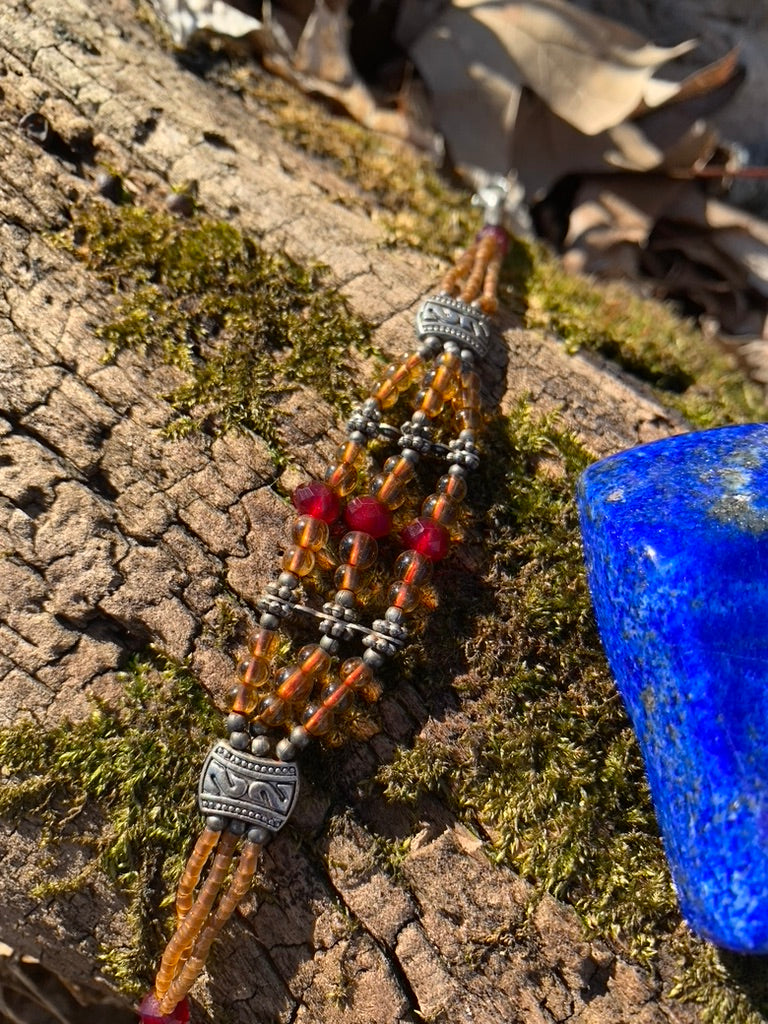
(268, 621)
(258, 835)
(215, 823)
(285, 750)
(260, 746)
(299, 736)
(236, 723)
(240, 740)
(372, 658)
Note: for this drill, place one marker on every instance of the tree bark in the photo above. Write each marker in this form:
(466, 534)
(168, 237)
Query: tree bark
(114, 537)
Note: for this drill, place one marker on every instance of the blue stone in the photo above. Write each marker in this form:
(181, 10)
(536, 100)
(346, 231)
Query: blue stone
(676, 545)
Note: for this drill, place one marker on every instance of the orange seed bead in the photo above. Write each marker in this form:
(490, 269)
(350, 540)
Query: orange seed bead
(314, 660)
(293, 683)
(411, 567)
(348, 577)
(354, 672)
(358, 548)
(453, 485)
(403, 595)
(350, 452)
(386, 394)
(341, 477)
(298, 560)
(441, 508)
(388, 489)
(263, 642)
(309, 532)
(431, 402)
(253, 671)
(244, 699)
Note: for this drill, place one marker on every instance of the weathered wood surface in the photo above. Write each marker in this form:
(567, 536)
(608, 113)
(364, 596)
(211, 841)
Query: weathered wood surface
(113, 537)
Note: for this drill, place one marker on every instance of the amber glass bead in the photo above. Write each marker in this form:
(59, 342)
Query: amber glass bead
(311, 533)
(349, 577)
(405, 596)
(443, 379)
(469, 419)
(341, 477)
(263, 642)
(314, 660)
(411, 567)
(402, 469)
(336, 696)
(244, 699)
(386, 394)
(452, 360)
(388, 489)
(350, 452)
(293, 683)
(253, 671)
(317, 720)
(441, 508)
(354, 672)
(400, 375)
(358, 548)
(454, 486)
(430, 402)
(272, 710)
(300, 561)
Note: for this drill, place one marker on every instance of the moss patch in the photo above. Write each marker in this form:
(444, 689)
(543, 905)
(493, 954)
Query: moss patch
(245, 325)
(548, 766)
(139, 762)
(685, 370)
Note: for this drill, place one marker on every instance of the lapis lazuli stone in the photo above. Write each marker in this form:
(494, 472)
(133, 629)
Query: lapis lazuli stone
(676, 545)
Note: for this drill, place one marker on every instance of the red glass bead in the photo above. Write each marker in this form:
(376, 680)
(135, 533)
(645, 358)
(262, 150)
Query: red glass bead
(428, 538)
(499, 234)
(318, 500)
(149, 1011)
(369, 516)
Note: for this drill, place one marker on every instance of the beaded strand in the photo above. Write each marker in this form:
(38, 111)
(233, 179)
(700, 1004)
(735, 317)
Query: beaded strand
(353, 523)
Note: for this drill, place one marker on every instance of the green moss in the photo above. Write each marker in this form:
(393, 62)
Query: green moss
(685, 370)
(138, 763)
(245, 325)
(418, 207)
(548, 766)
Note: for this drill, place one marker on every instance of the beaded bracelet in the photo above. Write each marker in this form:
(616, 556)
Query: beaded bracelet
(250, 781)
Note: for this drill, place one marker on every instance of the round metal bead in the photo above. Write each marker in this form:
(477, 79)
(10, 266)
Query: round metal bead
(358, 437)
(345, 598)
(258, 835)
(372, 658)
(299, 736)
(260, 746)
(215, 823)
(239, 740)
(371, 407)
(285, 750)
(395, 615)
(451, 346)
(237, 828)
(288, 579)
(268, 621)
(329, 645)
(236, 723)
